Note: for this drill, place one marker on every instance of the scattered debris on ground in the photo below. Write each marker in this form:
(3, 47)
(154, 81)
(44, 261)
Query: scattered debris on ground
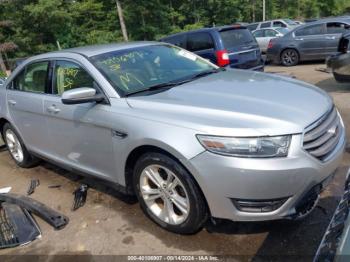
(34, 183)
(79, 196)
(54, 186)
(323, 70)
(17, 226)
(52, 217)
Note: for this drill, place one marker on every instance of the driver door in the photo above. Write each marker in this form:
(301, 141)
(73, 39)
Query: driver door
(78, 134)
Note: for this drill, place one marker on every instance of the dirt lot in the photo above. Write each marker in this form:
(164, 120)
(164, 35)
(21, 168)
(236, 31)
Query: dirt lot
(110, 224)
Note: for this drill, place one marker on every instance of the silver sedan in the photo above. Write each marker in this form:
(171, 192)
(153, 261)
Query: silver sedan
(189, 139)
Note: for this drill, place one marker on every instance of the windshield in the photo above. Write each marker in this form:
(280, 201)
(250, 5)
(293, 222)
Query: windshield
(282, 30)
(289, 22)
(133, 70)
(236, 37)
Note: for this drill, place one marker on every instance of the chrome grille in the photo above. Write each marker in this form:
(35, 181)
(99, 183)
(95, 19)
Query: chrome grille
(321, 139)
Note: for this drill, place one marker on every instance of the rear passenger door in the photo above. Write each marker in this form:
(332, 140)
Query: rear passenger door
(202, 44)
(25, 96)
(311, 41)
(334, 33)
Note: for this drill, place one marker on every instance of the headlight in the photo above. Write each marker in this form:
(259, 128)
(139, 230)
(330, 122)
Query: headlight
(275, 146)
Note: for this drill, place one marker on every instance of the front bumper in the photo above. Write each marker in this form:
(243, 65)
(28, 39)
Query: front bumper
(225, 179)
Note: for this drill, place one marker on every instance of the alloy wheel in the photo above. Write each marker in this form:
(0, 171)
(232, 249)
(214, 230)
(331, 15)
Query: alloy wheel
(14, 145)
(164, 194)
(289, 57)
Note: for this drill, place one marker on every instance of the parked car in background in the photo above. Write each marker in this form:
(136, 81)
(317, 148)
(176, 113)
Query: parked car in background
(298, 22)
(339, 64)
(232, 46)
(285, 23)
(312, 41)
(2, 81)
(309, 20)
(191, 140)
(263, 36)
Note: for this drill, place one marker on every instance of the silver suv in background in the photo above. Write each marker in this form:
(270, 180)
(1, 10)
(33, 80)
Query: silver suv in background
(189, 139)
(284, 23)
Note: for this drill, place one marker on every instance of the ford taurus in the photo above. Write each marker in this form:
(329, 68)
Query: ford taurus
(191, 140)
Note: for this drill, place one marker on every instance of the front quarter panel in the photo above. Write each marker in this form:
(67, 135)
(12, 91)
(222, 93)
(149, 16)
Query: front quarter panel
(179, 141)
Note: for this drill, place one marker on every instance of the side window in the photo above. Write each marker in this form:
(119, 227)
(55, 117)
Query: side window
(259, 33)
(252, 27)
(177, 40)
(278, 24)
(265, 25)
(311, 30)
(32, 78)
(69, 75)
(337, 28)
(199, 41)
(270, 33)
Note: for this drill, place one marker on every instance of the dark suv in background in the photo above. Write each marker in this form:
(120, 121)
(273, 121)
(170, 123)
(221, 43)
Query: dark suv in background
(312, 41)
(233, 46)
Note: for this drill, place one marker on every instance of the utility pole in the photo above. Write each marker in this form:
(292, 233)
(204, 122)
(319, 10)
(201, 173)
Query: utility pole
(121, 20)
(264, 11)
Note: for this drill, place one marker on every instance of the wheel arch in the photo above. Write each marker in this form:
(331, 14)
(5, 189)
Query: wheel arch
(137, 152)
(3, 121)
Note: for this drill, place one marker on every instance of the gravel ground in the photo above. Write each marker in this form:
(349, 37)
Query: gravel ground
(110, 224)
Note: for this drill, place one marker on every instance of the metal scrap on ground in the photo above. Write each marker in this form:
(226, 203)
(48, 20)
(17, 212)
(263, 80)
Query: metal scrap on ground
(79, 196)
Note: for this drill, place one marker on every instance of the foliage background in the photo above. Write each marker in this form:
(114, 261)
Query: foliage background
(36, 26)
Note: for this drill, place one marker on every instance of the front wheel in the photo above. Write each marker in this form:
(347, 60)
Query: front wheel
(168, 194)
(290, 57)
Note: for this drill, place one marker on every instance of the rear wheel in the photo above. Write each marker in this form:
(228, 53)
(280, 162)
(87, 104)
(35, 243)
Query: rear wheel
(168, 194)
(290, 57)
(17, 148)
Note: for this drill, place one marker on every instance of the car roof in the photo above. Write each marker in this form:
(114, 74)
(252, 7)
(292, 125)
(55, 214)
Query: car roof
(207, 29)
(92, 50)
(342, 19)
(267, 21)
(274, 28)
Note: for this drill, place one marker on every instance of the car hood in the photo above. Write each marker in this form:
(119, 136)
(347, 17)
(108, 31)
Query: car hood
(237, 103)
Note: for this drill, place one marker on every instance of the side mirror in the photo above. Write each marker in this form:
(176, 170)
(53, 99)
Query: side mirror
(81, 95)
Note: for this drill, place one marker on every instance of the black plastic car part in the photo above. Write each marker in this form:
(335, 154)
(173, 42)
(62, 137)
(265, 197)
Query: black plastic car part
(327, 250)
(17, 226)
(55, 219)
(79, 196)
(34, 183)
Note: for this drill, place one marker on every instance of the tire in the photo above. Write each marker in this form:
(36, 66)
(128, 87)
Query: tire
(290, 57)
(188, 209)
(17, 149)
(341, 78)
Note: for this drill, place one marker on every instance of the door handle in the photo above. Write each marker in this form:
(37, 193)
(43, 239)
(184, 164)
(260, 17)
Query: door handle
(53, 109)
(12, 102)
(299, 39)
(330, 37)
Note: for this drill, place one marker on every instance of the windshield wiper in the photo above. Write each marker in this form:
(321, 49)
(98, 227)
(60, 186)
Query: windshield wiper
(205, 73)
(167, 85)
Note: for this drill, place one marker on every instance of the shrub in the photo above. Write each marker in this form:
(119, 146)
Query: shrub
(2, 74)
